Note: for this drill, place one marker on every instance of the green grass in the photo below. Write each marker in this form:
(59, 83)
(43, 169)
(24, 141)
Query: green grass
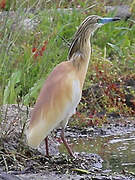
(22, 75)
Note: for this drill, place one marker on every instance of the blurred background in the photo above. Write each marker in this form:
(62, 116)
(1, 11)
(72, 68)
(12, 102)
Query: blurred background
(35, 37)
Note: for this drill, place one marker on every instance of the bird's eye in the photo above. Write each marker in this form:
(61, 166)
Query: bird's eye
(98, 21)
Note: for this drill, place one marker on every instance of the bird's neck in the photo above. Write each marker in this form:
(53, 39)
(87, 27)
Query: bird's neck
(80, 56)
(85, 47)
(81, 44)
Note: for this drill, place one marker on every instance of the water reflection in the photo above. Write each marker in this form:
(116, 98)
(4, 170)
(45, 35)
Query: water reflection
(118, 152)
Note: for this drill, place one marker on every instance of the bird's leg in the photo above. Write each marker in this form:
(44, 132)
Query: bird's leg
(46, 146)
(65, 143)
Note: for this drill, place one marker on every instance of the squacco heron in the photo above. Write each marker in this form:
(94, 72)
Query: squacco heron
(62, 90)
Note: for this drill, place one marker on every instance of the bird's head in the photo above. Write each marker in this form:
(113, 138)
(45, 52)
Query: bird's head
(91, 23)
(86, 28)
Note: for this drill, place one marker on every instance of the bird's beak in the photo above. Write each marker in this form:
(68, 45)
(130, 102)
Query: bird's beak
(107, 20)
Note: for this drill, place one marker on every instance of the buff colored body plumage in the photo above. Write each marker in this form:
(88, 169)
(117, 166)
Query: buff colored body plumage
(63, 88)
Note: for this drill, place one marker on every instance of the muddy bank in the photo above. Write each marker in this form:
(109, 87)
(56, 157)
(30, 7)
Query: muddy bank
(18, 161)
(54, 176)
(97, 176)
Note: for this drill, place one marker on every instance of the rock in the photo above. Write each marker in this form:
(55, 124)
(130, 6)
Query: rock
(19, 22)
(5, 176)
(122, 11)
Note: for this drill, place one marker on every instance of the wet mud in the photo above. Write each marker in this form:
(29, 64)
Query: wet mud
(92, 147)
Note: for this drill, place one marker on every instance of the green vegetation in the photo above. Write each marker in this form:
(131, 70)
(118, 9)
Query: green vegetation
(27, 56)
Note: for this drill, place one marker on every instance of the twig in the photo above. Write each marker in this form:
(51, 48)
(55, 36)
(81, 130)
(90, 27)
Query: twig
(68, 44)
(90, 7)
(19, 154)
(5, 162)
(24, 125)
(22, 132)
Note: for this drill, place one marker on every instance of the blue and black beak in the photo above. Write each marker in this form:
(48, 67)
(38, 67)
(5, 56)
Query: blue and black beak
(107, 20)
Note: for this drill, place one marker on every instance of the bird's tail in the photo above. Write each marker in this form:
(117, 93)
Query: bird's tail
(35, 135)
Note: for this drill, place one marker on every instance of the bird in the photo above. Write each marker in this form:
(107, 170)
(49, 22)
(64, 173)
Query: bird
(62, 90)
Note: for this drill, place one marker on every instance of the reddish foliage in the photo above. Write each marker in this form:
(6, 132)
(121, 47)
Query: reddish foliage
(45, 42)
(40, 51)
(78, 114)
(36, 55)
(3, 4)
(43, 48)
(90, 123)
(91, 116)
(34, 49)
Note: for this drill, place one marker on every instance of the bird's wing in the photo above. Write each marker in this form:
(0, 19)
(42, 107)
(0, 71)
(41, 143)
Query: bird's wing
(57, 100)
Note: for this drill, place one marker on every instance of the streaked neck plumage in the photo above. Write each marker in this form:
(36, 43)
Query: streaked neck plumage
(81, 44)
(81, 40)
(79, 52)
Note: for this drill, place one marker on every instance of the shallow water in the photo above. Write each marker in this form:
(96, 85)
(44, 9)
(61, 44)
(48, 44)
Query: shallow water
(118, 152)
